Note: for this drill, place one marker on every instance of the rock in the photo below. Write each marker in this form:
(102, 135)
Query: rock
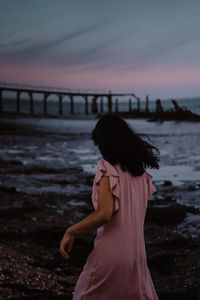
(167, 183)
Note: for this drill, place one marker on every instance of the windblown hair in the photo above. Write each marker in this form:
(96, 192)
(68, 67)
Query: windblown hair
(119, 143)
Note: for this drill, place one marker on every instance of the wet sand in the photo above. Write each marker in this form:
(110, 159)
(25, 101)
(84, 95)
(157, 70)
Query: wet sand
(31, 226)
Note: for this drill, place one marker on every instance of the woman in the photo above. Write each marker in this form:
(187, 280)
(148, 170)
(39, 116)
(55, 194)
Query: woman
(117, 266)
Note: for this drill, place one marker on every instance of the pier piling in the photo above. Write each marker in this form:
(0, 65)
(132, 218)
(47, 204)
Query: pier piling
(71, 104)
(147, 104)
(130, 105)
(1, 101)
(60, 105)
(138, 104)
(101, 105)
(45, 103)
(109, 102)
(116, 105)
(18, 102)
(86, 105)
(31, 102)
(94, 105)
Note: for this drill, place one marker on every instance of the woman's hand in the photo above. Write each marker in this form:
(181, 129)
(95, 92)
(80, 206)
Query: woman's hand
(66, 242)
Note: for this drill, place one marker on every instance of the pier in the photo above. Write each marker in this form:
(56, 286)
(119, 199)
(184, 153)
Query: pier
(61, 93)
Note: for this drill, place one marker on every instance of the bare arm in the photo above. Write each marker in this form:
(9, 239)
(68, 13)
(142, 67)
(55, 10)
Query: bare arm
(96, 219)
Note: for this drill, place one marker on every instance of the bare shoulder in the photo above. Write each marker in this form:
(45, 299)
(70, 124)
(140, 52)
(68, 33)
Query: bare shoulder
(104, 182)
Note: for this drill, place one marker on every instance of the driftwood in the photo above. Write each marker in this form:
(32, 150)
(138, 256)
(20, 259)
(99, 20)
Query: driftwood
(159, 108)
(177, 114)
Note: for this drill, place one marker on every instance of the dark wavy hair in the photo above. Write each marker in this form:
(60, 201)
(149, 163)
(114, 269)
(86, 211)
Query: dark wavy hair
(119, 143)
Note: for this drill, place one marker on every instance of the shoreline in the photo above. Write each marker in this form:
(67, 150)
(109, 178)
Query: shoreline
(182, 116)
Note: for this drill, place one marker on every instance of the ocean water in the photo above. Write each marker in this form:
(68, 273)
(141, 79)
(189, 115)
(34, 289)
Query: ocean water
(9, 104)
(61, 144)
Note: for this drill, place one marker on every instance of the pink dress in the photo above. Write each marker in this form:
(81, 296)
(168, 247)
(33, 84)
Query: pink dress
(116, 269)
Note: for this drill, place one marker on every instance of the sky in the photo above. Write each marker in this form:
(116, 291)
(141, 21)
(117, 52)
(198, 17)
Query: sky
(141, 46)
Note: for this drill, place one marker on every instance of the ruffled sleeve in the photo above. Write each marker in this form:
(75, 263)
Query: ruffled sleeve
(151, 187)
(105, 168)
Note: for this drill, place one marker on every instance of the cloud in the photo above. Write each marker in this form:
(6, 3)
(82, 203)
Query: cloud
(62, 52)
(39, 50)
(72, 49)
(19, 43)
(16, 31)
(162, 49)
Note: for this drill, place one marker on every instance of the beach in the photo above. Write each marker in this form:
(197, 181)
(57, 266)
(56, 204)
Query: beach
(47, 166)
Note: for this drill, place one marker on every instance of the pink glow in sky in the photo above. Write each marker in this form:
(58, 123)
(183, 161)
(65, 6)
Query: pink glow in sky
(178, 79)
